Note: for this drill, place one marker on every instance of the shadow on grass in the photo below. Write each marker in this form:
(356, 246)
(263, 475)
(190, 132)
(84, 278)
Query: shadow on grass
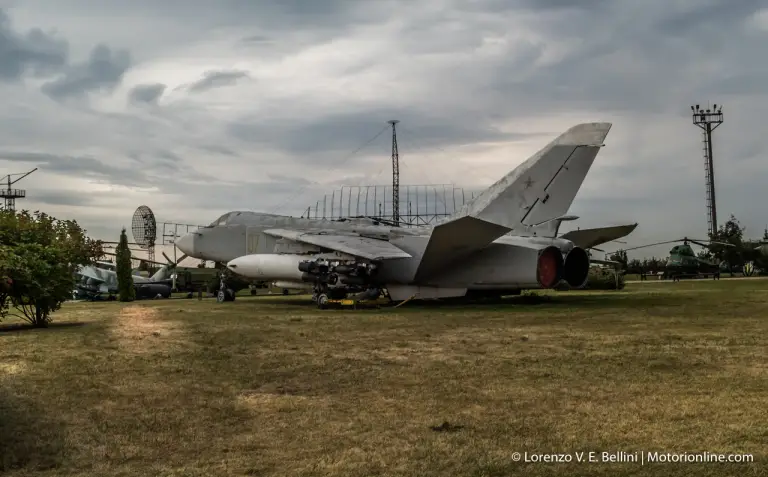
(571, 299)
(528, 299)
(28, 438)
(17, 327)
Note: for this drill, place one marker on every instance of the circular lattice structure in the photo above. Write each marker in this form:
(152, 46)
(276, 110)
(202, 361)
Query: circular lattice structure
(144, 227)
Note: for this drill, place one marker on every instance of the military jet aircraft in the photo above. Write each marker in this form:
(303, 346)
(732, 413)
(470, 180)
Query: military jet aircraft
(503, 241)
(101, 278)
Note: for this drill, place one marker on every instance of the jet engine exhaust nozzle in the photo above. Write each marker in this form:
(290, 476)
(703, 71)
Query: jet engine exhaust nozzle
(576, 268)
(549, 269)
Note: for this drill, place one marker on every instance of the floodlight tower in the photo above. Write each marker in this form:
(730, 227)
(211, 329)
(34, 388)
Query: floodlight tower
(10, 195)
(708, 120)
(395, 175)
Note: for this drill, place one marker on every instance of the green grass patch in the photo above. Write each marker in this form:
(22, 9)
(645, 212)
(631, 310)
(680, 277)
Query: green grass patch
(270, 385)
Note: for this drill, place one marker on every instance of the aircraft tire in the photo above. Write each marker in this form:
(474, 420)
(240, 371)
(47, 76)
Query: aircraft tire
(322, 301)
(221, 296)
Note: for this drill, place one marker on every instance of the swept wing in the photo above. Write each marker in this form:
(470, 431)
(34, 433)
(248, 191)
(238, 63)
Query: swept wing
(351, 244)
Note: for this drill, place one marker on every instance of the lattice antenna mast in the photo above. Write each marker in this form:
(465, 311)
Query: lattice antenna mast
(10, 195)
(395, 175)
(708, 120)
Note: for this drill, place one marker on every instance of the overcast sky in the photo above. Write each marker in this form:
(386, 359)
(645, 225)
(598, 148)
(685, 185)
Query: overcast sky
(195, 107)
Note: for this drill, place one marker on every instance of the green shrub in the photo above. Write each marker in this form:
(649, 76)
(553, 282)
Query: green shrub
(604, 279)
(39, 256)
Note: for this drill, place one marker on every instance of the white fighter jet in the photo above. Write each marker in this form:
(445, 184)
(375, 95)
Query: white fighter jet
(503, 241)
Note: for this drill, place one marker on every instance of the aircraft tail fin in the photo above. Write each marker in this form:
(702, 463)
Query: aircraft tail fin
(161, 274)
(539, 190)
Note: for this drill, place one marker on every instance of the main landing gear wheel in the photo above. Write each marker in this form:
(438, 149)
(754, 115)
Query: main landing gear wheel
(322, 301)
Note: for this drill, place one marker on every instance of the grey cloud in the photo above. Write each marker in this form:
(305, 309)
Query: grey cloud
(64, 197)
(33, 51)
(289, 24)
(630, 63)
(218, 149)
(158, 164)
(146, 93)
(157, 169)
(103, 70)
(747, 82)
(329, 138)
(296, 14)
(622, 61)
(167, 172)
(217, 79)
(291, 180)
(507, 5)
(264, 196)
(79, 166)
(256, 40)
(712, 15)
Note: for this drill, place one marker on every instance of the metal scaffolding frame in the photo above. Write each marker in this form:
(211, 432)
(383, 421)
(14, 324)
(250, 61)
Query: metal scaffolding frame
(418, 205)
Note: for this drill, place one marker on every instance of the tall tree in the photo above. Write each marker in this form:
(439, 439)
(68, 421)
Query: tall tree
(731, 232)
(39, 256)
(635, 266)
(125, 288)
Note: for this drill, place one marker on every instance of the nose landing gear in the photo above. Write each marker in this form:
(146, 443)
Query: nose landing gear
(224, 293)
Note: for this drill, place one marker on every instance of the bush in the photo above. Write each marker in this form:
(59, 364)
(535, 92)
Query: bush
(38, 259)
(604, 279)
(5, 289)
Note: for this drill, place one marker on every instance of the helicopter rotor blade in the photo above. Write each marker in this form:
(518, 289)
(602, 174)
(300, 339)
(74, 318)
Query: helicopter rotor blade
(171, 263)
(136, 258)
(710, 244)
(652, 244)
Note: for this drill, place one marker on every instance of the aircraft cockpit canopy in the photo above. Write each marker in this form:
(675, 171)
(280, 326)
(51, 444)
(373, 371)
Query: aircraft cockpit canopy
(221, 220)
(236, 217)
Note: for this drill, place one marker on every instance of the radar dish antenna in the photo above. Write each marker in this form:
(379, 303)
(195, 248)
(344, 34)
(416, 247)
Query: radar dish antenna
(144, 228)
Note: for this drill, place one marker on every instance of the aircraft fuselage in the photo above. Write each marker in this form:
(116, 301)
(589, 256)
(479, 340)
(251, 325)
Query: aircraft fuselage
(509, 263)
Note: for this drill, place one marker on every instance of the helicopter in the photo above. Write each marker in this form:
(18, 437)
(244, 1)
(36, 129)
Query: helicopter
(683, 262)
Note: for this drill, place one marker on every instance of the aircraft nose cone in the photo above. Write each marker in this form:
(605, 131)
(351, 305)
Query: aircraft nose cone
(186, 243)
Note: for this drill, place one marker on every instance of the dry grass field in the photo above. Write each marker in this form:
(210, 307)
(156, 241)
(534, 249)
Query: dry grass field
(273, 386)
